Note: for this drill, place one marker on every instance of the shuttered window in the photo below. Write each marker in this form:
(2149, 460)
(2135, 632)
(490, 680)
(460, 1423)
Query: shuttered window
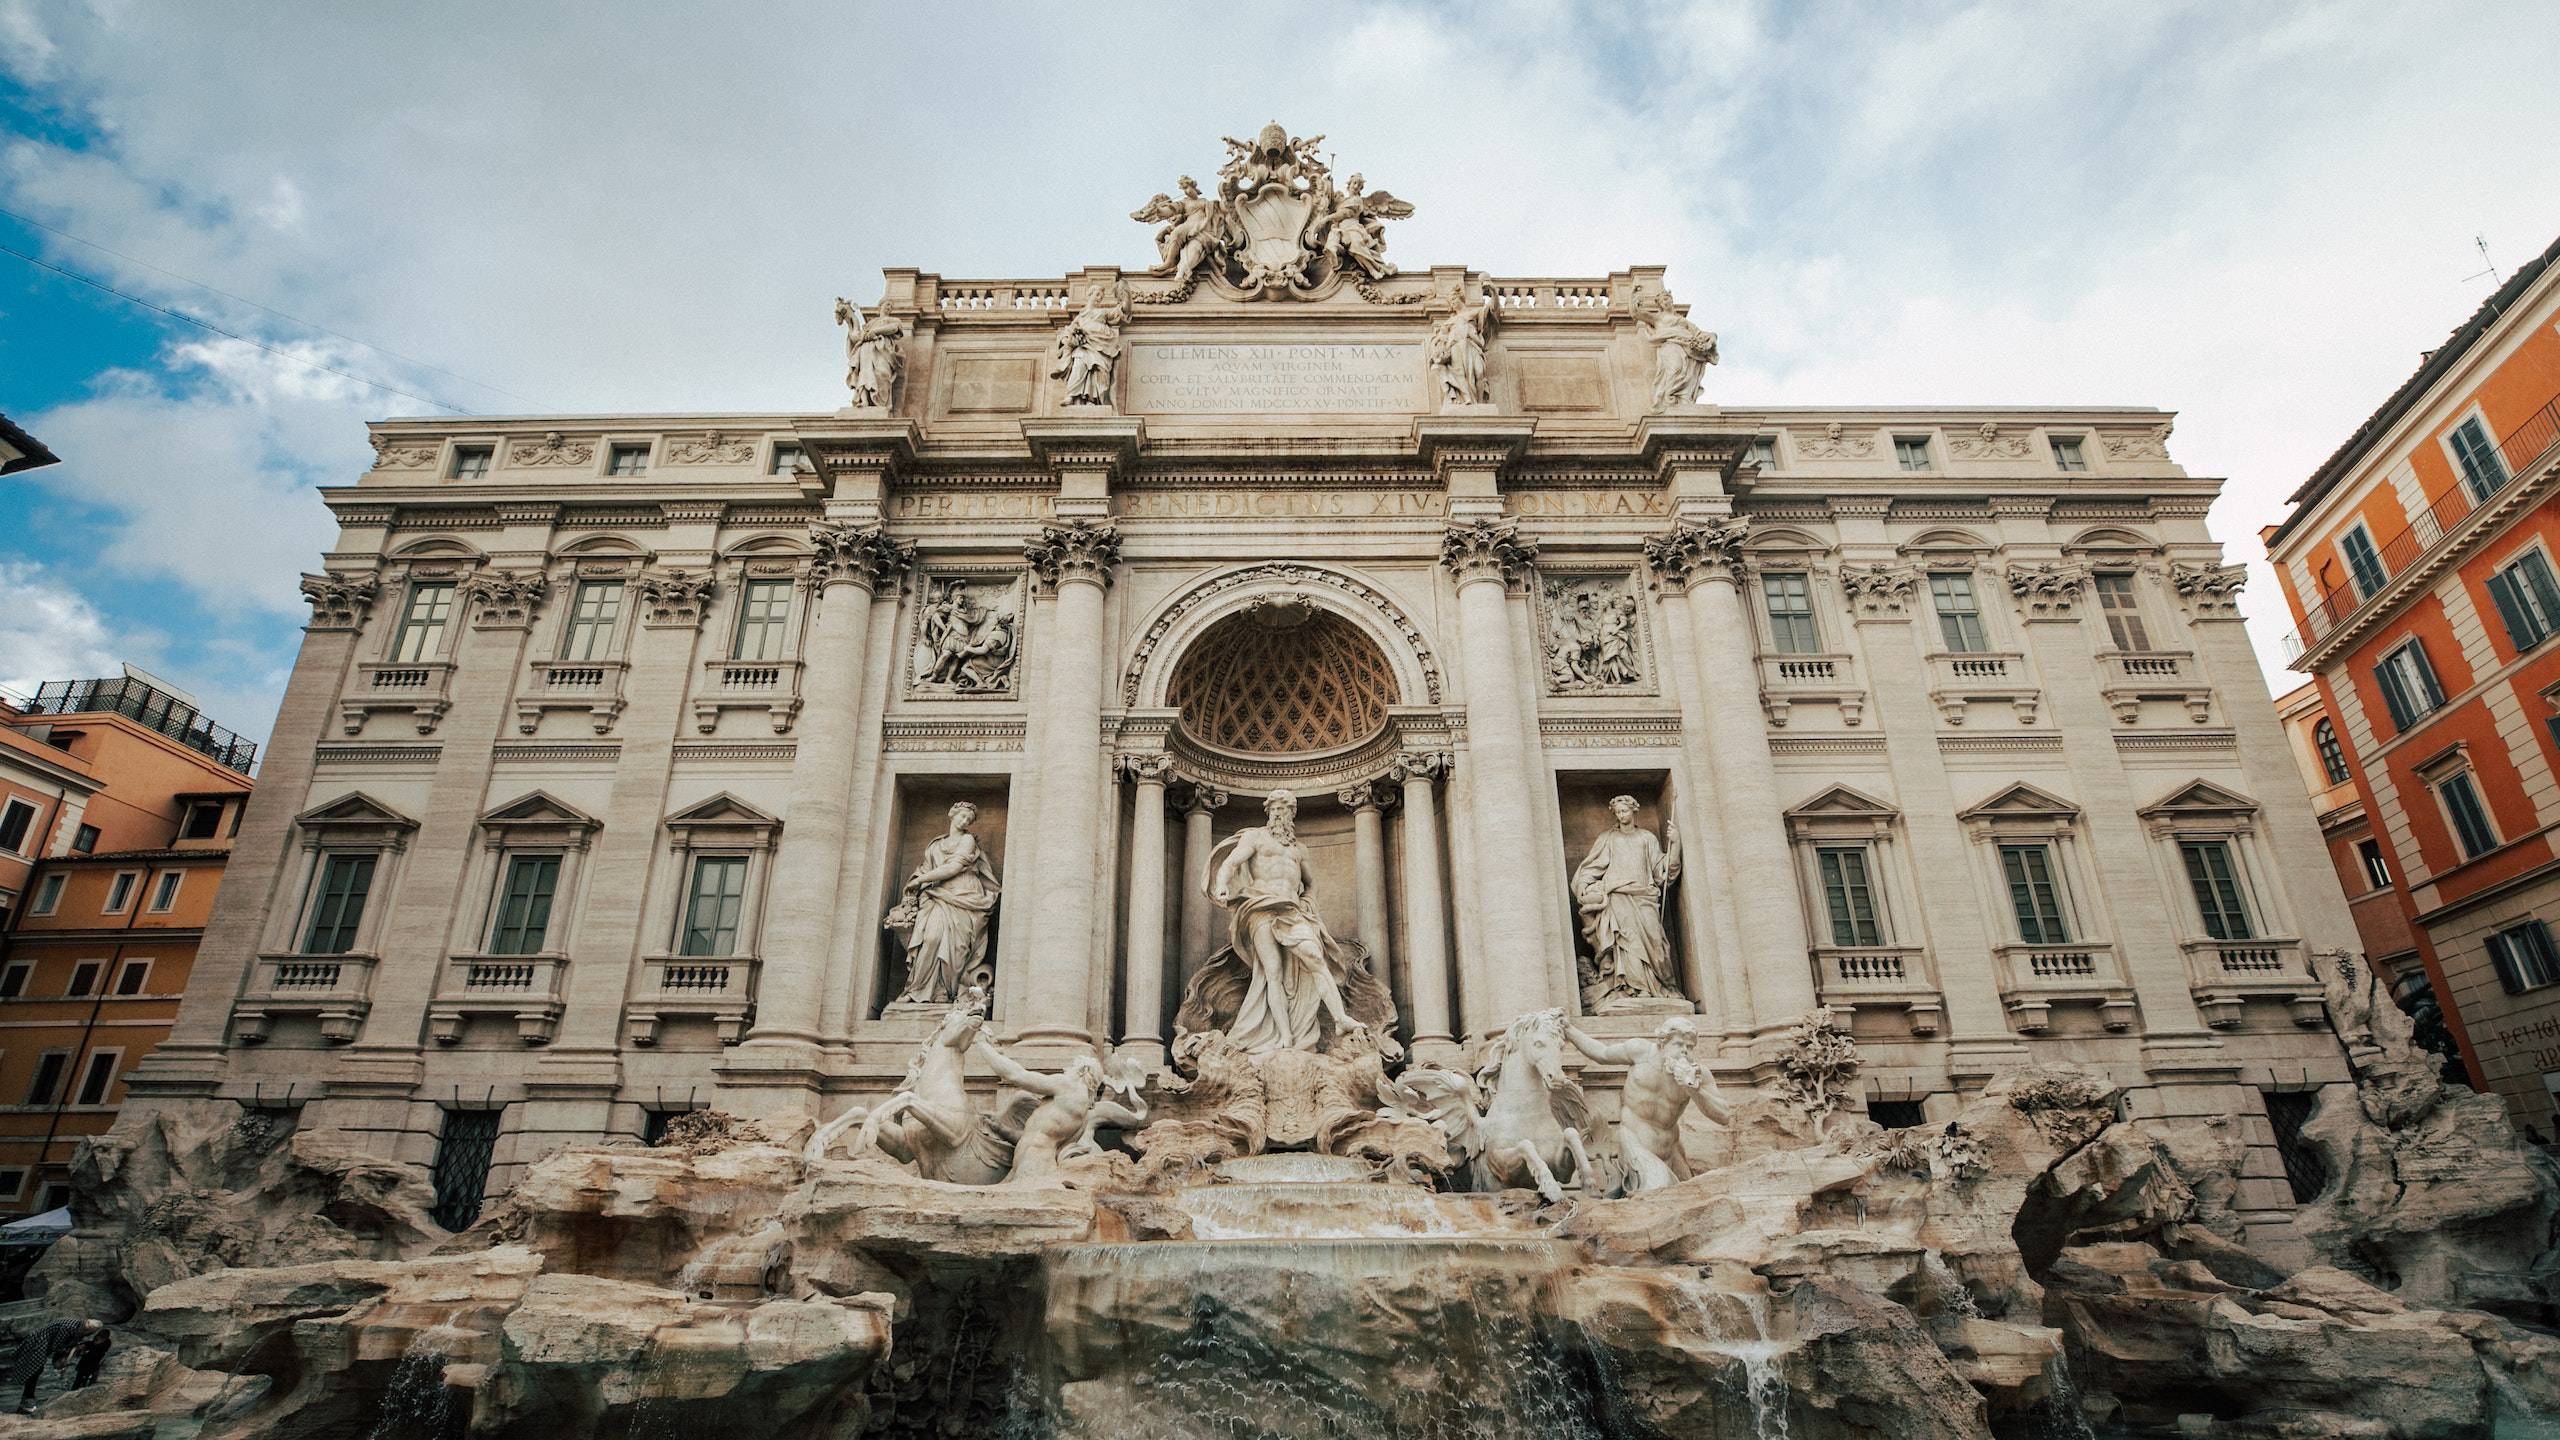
(2216, 882)
(2362, 559)
(711, 910)
(2524, 957)
(345, 881)
(2484, 471)
(524, 905)
(1848, 893)
(2409, 688)
(2471, 828)
(2033, 894)
(2528, 600)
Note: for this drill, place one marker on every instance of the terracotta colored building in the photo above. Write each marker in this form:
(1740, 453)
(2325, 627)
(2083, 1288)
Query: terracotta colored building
(2420, 563)
(117, 805)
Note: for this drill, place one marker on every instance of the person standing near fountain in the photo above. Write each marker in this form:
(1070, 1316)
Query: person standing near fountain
(52, 1345)
(1298, 968)
(1663, 1079)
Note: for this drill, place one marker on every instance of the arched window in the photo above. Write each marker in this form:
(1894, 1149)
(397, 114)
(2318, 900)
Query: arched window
(2333, 760)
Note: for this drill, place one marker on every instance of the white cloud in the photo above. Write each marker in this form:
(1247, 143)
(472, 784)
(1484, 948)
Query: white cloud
(48, 631)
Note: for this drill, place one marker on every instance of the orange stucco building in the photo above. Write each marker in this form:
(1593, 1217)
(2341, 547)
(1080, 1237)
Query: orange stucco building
(2422, 565)
(117, 805)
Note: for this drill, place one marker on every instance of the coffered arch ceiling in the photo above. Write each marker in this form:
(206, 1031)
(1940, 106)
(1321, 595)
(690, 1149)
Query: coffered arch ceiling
(1282, 680)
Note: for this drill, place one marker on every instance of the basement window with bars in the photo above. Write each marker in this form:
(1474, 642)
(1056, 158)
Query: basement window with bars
(463, 1153)
(1897, 1114)
(2305, 1173)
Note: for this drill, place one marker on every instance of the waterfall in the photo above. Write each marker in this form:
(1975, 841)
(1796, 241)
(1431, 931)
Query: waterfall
(418, 1405)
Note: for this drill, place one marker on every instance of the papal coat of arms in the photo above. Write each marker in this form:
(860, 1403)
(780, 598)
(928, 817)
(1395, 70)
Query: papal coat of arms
(1278, 225)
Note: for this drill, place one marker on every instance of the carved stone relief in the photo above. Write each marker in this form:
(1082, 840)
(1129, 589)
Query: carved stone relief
(1878, 589)
(1986, 442)
(1591, 636)
(713, 447)
(1278, 225)
(505, 598)
(673, 597)
(2152, 444)
(1835, 443)
(2211, 590)
(2048, 592)
(553, 449)
(339, 602)
(390, 454)
(968, 636)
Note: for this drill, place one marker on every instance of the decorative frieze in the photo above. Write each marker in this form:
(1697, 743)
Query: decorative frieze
(339, 602)
(1879, 591)
(2212, 592)
(2152, 444)
(712, 447)
(1591, 635)
(673, 598)
(505, 599)
(1695, 552)
(962, 736)
(1986, 442)
(553, 449)
(2048, 591)
(1835, 442)
(856, 554)
(1086, 550)
(1421, 765)
(1608, 732)
(968, 637)
(391, 454)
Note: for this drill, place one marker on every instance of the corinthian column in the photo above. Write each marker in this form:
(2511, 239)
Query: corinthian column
(853, 562)
(1142, 995)
(1705, 561)
(1200, 805)
(1510, 978)
(1369, 862)
(1426, 932)
(1075, 560)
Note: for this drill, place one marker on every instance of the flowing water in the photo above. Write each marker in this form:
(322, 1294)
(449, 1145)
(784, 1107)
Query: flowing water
(418, 1405)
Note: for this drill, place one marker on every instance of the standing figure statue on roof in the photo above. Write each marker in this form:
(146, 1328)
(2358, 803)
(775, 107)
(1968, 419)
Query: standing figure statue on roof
(1087, 352)
(1681, 351)
(873, 364)
(1455, 351)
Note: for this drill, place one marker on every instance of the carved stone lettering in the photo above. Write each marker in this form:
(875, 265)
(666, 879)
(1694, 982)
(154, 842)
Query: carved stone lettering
(1275, 379)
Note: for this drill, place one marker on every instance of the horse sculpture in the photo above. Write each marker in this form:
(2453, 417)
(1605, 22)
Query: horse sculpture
(929, 1121)
(1532, 1127)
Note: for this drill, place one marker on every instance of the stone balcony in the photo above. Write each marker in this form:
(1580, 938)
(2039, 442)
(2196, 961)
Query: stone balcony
(2035, 978)
(524, 988)
(1790, 680)
(594, 686)
(2227, 974)
(338, 989)
(772, 686)
(2127, 678)
(721, 988)
(1961, 679)
(1881, 977)
(422, 689)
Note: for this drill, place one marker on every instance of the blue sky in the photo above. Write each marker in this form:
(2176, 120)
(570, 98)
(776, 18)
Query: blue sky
(2257, 215)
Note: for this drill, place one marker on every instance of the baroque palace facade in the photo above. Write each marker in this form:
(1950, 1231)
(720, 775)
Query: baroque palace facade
(622, 770)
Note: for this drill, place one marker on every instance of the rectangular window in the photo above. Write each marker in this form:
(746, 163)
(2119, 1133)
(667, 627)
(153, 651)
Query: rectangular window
(345, 881)
(134, 975)
(2524, 957)
(1959, 617)
(2123, 609)
(1911, 452)
(524, 905)
(2484, 471)
(423, 624)
(2306, 1174)
(100, 1074)
(2409, 688)
(2067, 454)
(2363, 561)
(48, 895)
(84, 977)
(55, 1195)
(203, 822)
(16, 818)
(2216, 882)
(2471, 828)
(2377, 870)
(471, 462)
(593, 620)
(51, 1066)
(627, 460)
(120, 891)
(84, 840)
(13, 980)
(1764, 452)
(165, 894)
(13, 1181)
(2033, 894)
(763, 608)
(711, 910)
(1789, 599)
(786, 459)
(461, 1172)
(1849, 895)
(2528, 599)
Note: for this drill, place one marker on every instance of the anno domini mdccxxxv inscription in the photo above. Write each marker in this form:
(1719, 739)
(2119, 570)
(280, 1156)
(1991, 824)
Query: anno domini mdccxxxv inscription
(1271, 379)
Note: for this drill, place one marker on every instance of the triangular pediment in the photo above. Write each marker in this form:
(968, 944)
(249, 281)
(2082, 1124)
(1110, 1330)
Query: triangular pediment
(539, 808)
(1842, 802)
(2201, 797)
(722, 809)
(356, 808)
(2022, 801)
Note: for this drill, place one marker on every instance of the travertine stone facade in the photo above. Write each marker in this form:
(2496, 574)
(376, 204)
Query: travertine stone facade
(1938, 730)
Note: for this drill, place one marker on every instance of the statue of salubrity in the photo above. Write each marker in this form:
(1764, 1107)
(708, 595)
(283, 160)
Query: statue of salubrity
(1618, 891)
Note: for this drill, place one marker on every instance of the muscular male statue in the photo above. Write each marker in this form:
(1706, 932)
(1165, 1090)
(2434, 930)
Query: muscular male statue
(1299, 969)
(1663, 1078)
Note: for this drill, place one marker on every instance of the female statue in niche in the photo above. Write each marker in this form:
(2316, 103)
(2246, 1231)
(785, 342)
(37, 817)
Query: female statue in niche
(1618, 890)
(943, 911)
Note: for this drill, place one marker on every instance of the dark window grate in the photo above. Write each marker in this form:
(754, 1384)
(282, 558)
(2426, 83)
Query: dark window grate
(2287, 1112)
(470, 1140)
(1896, 1114)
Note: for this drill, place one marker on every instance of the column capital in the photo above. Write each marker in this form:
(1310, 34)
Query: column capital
(1199, 797)
(1878, 591)
(2048, 591)
(1697, 551)
(2211, 591)
(673, 599)
(338, 600)
(1367, 795)
(1420, 766)
(1487, 550)
(852, 553)
(1148, 768)
(505, 599)
(1086, 550)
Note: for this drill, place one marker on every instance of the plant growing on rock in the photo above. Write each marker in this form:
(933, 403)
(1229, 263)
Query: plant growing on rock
(1816, 1069)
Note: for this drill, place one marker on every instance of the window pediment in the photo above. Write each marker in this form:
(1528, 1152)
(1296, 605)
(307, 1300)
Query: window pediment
(2023, 802)
(1841, 811)
(357, 808)
(2201, 799)
(540, 819)
(722, 821)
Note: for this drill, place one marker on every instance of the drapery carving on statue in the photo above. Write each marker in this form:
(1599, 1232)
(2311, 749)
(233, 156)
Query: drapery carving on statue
(943, 916)
(1681, 351)
(1283, 981)
(1086, 354)
(873, 362)
(1455, 351)
(1618, 892)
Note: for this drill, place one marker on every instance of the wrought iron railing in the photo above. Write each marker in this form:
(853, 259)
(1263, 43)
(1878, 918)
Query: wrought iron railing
(2524, 450)
(149, 706)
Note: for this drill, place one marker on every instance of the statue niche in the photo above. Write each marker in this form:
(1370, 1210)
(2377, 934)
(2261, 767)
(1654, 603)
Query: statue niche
(944, 918)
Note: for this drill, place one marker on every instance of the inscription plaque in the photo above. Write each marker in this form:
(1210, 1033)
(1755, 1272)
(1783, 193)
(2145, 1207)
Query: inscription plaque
(1275, 379)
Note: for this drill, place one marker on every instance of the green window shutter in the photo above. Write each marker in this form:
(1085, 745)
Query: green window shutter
(2512, 612)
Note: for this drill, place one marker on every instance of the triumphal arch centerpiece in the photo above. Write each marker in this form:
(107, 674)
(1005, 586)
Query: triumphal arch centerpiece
(1271, 652)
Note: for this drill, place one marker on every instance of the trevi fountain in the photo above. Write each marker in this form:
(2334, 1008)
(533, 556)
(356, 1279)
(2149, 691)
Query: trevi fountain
(1665, 935)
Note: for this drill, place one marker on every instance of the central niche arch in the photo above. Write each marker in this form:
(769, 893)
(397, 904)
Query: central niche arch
(1282, 679)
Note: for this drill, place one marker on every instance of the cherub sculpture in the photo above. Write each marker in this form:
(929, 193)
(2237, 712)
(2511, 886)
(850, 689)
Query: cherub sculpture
(1352, 231)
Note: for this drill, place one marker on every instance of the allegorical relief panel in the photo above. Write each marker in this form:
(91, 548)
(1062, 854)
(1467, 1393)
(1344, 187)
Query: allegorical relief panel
(1591, 631)
(968, 635)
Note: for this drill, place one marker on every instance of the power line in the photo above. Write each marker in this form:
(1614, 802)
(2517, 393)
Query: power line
(270, 309)
(285, 355)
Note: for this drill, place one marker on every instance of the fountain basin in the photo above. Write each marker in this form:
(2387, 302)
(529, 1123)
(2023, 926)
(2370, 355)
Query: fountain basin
(1295, 1167)
(1333, 1211)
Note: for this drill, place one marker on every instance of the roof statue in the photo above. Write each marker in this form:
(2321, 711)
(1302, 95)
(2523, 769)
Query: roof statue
(1278, 225)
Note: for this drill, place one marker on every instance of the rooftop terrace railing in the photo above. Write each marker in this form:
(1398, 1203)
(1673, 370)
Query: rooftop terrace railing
(150, 707)
(2523, 451)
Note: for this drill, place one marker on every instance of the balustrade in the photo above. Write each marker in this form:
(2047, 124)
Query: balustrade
(524, 988)
(337, 989)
